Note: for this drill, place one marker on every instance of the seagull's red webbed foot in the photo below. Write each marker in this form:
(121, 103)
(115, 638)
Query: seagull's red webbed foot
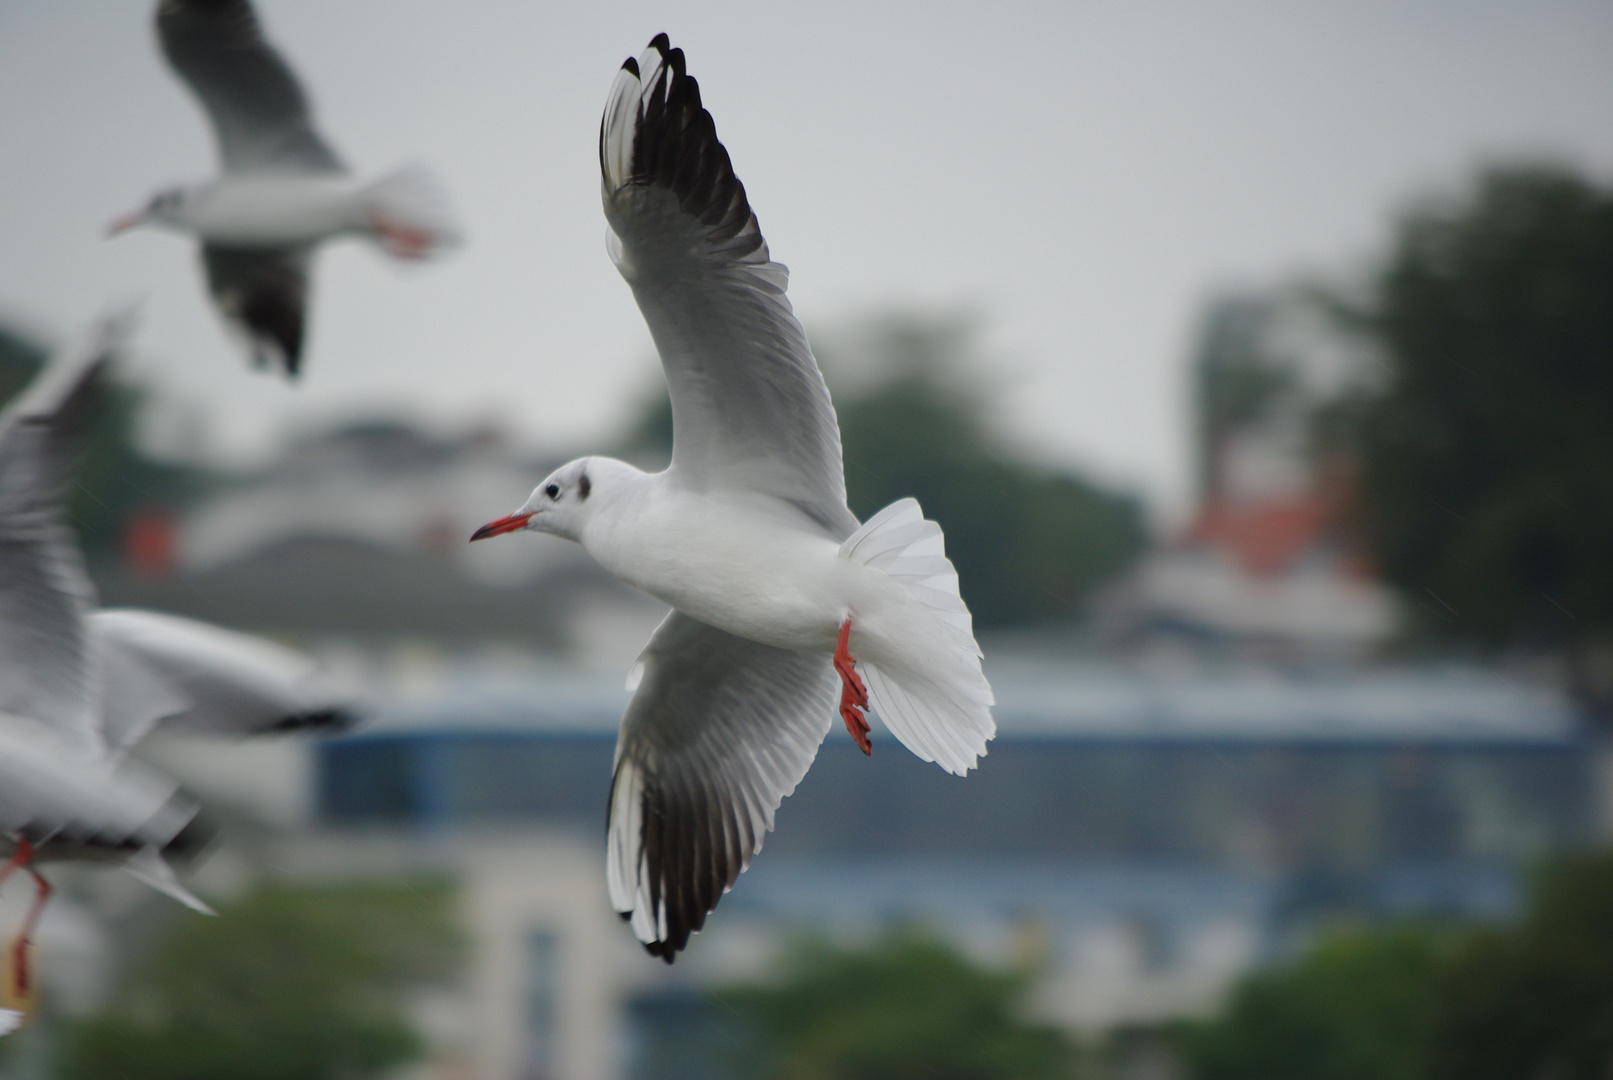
(853, 694)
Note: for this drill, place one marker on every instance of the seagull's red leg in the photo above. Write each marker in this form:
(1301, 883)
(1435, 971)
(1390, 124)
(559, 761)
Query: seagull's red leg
(19, 858)
(403, 240)
(21, 980)
(853, 694)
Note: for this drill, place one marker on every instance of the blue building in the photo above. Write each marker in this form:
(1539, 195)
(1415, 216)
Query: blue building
(1143, 835)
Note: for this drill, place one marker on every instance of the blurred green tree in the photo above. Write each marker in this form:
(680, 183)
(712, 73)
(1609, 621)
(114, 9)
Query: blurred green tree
(289, 983)
(113, 478)
(1358, 1005)
(906, 1009)
(1030, 543)
(1537, 1000)
(1487, 452)
(1529, 1000)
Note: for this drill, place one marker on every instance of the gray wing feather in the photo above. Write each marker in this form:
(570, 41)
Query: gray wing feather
(198, 678)
(259, 111)
(720, 730)
(47, 668)
(749, 405)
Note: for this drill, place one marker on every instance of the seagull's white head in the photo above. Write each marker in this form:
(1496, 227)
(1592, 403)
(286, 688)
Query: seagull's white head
(566, 499)
(170, 206)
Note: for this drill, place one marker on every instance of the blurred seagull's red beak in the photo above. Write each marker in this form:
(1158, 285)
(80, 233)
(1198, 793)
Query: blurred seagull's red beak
(125, 223)
(501, 526)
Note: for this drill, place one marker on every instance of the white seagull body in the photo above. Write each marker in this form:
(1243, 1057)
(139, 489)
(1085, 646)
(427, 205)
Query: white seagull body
(777, 591)
(79, 687)
(282, 191)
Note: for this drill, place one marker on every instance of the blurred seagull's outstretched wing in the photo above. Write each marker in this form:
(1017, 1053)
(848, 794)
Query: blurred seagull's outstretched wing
(719, 731)
(51, 792)
(749, 406)
(259, 111)
(264, 292)
(47, 667)
(198, 678)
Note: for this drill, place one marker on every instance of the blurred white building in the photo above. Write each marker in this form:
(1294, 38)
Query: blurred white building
(1268, 564)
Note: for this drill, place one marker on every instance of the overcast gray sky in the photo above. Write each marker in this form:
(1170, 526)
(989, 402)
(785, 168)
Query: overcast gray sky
(1082, 175)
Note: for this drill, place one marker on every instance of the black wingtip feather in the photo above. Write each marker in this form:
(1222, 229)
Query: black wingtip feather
(675, 146)
(328, 720)
(631, 64)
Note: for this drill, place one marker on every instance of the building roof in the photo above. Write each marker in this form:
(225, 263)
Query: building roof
(1075, 701)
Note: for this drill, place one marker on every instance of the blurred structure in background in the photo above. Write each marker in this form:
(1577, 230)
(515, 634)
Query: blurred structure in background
(1270, 564)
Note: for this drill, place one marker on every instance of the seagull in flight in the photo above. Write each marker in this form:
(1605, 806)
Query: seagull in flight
(283, 191)
(779, 596)
(79, 687)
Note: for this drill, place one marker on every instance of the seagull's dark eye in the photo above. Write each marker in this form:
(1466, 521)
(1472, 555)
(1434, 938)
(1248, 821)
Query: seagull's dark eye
(553, 491)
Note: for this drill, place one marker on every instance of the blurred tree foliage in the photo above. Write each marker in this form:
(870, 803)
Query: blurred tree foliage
(906, 1008)
(1359, 1005)
(289, 983)
(113, 479)
(1030, 543)
(1537, 1000)
(1435, 1003)
(1487, 453)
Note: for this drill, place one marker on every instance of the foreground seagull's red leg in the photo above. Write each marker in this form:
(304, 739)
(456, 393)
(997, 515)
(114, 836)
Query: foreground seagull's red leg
(19, 858)
(853, 694)
(21, 980)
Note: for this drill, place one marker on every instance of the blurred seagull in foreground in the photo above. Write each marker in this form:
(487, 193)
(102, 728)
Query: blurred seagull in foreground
(283, 190)
(776, 589)
(79, 687)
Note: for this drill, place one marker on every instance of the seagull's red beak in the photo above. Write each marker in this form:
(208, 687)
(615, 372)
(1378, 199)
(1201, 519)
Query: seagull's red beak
(501, 526)
(125, 223)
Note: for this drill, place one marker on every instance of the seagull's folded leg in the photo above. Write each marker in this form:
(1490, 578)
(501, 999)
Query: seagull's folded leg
(853, 694)
(17, 990)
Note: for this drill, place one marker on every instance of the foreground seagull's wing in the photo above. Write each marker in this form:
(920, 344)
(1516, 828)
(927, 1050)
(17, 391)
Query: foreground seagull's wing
(52, 793)
(47, 670)
(264, 292)
(195, 677)
(258, 110)
(749, 406)
(719, 731)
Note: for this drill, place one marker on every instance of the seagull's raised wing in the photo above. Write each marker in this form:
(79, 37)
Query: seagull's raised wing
(720, 730)
(194, 677)
(264, 292)
(749, 406)
(259, 112)
(47, 669)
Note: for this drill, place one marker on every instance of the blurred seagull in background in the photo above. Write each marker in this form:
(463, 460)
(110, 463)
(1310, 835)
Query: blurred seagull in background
(283, 190)
(79, 687)
(777, 592)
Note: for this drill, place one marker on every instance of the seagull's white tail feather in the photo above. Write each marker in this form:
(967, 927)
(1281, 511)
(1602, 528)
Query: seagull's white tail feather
(407, 213)
(920, 661)
(149, 866)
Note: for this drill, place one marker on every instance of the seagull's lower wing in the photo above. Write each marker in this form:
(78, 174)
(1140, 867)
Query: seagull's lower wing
(194, 677)
(720, 730)
(263, 291)
(51, 792)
